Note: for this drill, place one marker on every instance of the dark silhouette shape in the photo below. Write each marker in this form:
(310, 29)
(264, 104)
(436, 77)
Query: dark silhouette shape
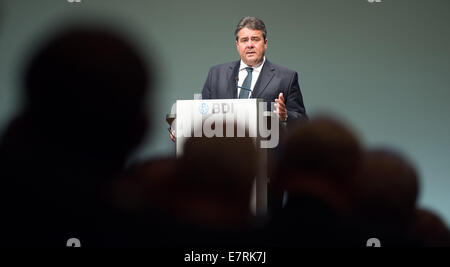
(429, 230)
(84, 113)
(199, 200)
(317, 166)
(144, 196)
(385, 195)
(213, 186)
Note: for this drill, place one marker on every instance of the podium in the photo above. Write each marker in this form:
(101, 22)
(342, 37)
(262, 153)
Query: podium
(194, 118)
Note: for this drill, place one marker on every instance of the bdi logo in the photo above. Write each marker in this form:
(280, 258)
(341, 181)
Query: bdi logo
(217, 108)
(222, 108)
(203, 108)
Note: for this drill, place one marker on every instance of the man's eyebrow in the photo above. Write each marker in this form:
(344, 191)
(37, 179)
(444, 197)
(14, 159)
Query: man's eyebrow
(252, 37)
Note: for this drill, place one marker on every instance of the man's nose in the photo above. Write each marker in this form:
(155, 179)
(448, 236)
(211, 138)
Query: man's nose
(250, 44)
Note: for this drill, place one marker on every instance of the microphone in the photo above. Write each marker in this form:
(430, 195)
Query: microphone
(237, 79)
(244, 88)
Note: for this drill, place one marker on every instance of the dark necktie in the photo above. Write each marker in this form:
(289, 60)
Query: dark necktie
(246, 85)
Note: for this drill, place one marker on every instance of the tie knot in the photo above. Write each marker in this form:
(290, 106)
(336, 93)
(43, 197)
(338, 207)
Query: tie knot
(249, 69)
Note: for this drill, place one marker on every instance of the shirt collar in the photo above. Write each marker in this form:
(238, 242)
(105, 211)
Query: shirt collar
(258, 68)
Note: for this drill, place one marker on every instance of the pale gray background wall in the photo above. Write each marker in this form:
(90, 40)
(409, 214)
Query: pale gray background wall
(383, 67)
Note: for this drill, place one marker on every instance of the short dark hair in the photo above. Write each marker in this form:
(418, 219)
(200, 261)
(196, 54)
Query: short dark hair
(251, 23)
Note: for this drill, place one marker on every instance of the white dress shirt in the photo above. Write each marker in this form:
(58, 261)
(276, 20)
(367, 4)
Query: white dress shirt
(243, 74)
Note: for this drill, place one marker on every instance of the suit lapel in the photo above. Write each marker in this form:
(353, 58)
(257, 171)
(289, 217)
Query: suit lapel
(233, 72)
(266, 75)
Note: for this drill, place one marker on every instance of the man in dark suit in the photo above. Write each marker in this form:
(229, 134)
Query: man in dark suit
(254, 76)
(267, 80)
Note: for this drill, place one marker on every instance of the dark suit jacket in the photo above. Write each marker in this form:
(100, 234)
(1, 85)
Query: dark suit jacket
(273, 80)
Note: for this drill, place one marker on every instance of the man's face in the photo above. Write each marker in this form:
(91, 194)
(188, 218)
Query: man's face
(251, 46)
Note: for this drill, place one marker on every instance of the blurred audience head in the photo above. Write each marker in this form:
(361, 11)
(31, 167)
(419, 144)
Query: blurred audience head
(86, 88)
(217, 175)
(387, 187)
(429, 229)
(323, 147)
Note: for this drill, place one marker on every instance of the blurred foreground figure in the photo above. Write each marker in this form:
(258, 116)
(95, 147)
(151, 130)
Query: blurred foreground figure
(214, 185)
(318, 164)
(201, 199)
(84, 113)
(386, 193)
(429, 230)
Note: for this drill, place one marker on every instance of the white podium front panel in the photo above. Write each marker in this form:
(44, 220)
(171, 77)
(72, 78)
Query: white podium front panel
(209, 117)
(195, 118)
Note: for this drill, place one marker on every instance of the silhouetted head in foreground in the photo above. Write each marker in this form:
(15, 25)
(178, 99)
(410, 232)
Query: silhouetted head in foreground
(384, 195)
(85, 89)
(387, 188)
(322, 150)
(216, 175)
(84, 113)
(429, 229)
(319, 161)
